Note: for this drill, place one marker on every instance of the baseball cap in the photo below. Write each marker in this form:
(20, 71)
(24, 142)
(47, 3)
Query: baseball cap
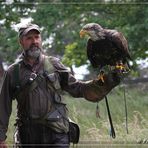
(28, 27)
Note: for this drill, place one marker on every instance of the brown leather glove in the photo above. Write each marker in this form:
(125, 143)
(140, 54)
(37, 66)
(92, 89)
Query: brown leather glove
(96, 90)
(113, 78)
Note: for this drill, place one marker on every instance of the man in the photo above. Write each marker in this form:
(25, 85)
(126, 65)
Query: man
(42, 116)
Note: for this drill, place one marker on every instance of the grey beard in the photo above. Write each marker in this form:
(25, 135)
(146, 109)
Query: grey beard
(33, 53)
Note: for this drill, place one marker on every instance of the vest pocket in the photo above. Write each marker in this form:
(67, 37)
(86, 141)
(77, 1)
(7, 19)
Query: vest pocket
(57, 119)
(54, 79)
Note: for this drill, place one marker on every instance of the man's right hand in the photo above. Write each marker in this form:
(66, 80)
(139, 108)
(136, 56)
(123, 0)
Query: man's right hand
(3, 144)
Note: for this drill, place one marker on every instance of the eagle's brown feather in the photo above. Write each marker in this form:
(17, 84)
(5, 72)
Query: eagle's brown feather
(108, 49)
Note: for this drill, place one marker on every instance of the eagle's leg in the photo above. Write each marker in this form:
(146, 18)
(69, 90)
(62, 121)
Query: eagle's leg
(101, 76)
(120, 67)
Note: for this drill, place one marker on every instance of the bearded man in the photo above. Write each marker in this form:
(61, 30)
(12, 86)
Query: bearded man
(34, 81)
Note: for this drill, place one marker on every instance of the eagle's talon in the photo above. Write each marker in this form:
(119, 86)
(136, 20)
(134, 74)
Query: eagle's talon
(121, 68)
(101, 77)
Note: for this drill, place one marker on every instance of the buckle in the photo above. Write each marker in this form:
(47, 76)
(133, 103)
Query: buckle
(32, 77)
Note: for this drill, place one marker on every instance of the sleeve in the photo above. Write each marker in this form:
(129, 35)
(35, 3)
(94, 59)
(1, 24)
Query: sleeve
(91, 90)
(5, 106)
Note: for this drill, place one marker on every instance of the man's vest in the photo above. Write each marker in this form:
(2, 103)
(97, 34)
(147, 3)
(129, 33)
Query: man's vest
(57, 118)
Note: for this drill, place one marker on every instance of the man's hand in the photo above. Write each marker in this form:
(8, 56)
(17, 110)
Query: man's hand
(96, 90)
(115, 77)
(3, 144)
(118, 76)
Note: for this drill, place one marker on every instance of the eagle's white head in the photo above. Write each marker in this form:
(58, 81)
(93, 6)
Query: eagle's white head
(93, 30)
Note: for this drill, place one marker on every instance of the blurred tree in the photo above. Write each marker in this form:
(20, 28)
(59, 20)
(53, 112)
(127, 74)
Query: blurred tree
(11, 14)
(61, 21)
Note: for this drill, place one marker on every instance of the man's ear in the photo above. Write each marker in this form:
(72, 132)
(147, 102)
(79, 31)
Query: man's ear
(20, 42)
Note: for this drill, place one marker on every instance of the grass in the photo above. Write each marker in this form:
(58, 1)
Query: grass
(95, 131)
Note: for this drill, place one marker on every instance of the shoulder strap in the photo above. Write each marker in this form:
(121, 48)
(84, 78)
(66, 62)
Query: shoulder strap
(48, 66)
(16, 76)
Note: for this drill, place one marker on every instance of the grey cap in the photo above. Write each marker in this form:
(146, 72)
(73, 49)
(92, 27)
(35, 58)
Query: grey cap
(25, 29)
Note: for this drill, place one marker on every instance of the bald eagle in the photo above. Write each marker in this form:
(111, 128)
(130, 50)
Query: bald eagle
(106, 47)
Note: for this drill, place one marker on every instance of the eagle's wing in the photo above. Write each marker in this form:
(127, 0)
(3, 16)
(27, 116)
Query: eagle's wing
(121, 43)
(90, 53)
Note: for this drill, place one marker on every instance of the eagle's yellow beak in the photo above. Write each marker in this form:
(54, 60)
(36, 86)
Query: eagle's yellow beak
(82, 33)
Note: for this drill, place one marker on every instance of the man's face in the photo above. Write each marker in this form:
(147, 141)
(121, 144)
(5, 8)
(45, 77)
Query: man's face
(32, 44)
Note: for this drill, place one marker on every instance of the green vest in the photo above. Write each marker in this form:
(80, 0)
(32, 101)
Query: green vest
(57, 118)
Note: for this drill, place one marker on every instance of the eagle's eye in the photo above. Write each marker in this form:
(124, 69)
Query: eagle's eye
(91, 28)
(95, 27)
(87, 28)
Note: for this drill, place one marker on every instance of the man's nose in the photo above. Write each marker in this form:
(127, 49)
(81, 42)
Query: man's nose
(34, 40)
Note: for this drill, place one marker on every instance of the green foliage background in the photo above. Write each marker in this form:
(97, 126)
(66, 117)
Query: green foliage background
(62, 20)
